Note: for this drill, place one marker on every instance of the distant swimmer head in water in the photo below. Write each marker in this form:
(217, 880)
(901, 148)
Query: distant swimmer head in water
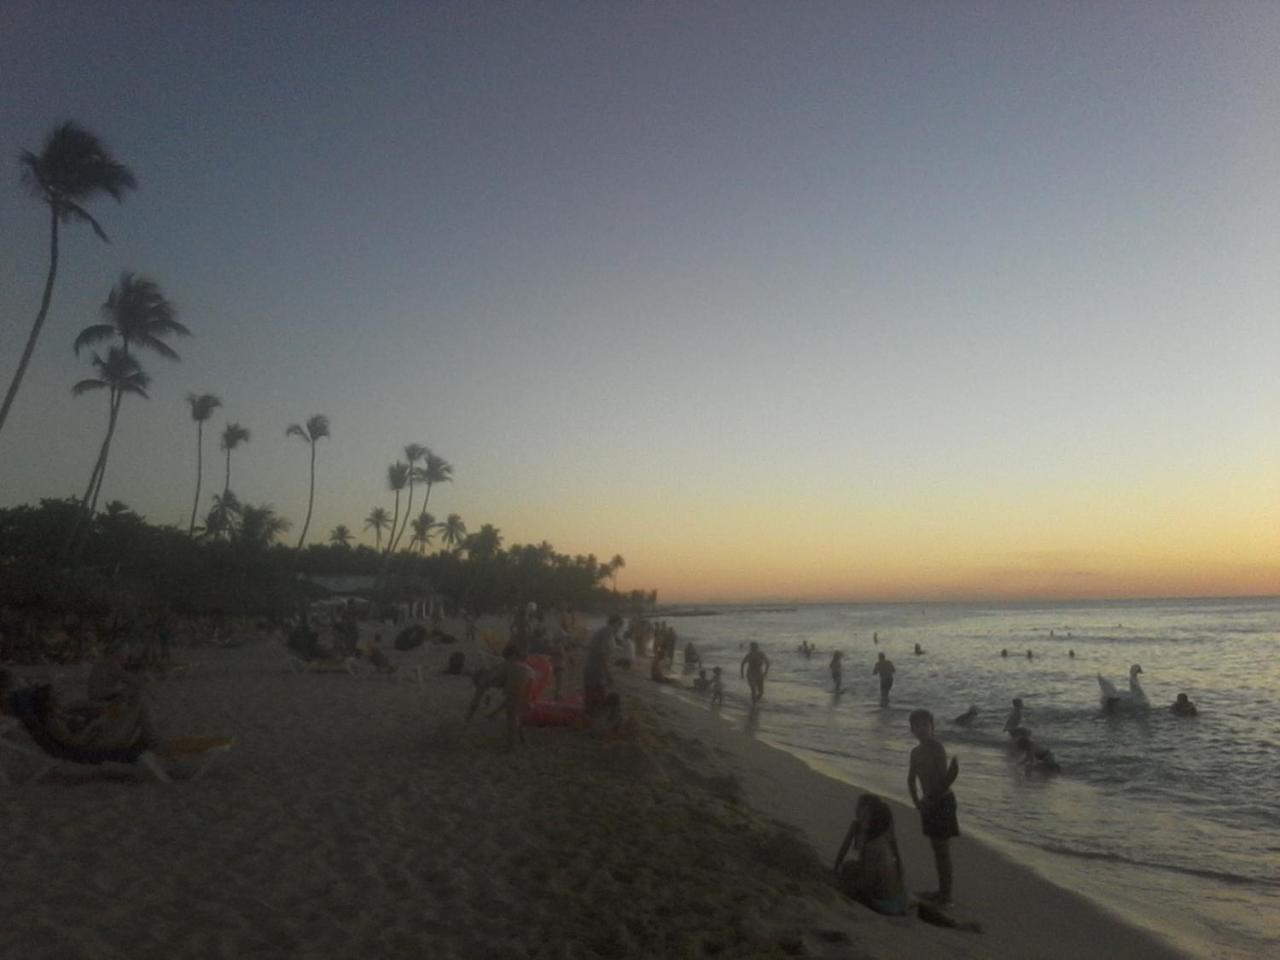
(1183, 707)
(919, 650)
(1004, 652)
(1029, 654)
(1071, 654)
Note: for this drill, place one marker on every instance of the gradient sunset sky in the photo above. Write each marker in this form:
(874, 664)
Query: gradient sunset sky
(777, 300)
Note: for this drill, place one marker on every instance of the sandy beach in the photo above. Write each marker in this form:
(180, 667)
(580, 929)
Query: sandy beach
(364, 817)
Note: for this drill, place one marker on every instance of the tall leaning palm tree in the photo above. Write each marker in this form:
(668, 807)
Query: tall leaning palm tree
(378, 519)
(140, 317)
(397, 479)
(316, 429)
(202, 406)
(118, 374)
(71, 168)
(413, 452)
(232, 436)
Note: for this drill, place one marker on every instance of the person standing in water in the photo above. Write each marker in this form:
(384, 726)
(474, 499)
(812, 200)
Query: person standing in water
(836, 672)
(756, 667)
(884, 669)
(1014, 720)
(934, 800)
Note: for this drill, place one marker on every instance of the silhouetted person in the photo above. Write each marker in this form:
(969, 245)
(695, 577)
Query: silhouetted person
(884, 669)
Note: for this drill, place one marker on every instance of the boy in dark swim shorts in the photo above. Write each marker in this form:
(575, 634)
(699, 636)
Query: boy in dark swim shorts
(934, 799)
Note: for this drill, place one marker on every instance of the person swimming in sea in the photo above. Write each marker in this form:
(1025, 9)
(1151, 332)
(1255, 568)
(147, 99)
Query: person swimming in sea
(1183, 707)
(1034, 756)
(966, 718)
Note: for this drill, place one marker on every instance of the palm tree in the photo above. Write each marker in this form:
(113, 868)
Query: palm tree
(616, 564)
(340, 536)
(397, 479)
(118, 374)
(379, 520)
(202, 406)
(138, 314)
(454, 531)
(223, 517)
(424, 528)
(435, 470)
(232, 436)
(413, 452)
(71, 168)
(317, 428)
(260, 525)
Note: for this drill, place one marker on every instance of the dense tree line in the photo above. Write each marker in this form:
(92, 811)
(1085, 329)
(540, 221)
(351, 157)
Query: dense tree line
(130, 568)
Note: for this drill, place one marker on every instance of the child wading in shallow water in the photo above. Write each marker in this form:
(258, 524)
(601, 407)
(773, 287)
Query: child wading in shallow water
(934, 799)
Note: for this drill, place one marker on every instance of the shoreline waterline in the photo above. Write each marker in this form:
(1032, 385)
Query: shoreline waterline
(1167, 821)
(786, 786)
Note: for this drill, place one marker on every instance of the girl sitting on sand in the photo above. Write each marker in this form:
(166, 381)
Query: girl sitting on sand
(875, 877)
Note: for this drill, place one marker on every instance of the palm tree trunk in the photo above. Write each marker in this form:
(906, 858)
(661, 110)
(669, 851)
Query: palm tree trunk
(311, 496)
(226, 484)
(408, 509)
(106, 451)
(18, 374)
(195, 505)
(394, 518)
(98, 466)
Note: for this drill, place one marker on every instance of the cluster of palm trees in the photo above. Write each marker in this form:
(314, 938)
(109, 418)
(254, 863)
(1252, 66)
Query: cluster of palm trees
(74, 167)
(420, 466)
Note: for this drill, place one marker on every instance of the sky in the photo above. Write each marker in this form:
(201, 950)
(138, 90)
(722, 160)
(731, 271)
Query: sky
(821, 301)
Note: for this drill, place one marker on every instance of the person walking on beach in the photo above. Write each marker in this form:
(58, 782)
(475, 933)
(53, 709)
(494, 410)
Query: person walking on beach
(929, 779)
(756, 666)
(596, 676)
(884, 668)
(836, 672)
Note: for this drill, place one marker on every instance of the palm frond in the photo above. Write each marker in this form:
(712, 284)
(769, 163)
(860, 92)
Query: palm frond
(73, 211)
(84, 386)
(318, 426)
(93, 335)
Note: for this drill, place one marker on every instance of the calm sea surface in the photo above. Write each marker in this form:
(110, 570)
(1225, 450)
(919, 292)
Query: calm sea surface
(1173, 822)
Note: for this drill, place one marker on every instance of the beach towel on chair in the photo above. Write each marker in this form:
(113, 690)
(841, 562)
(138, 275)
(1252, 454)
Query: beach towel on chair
(22, 705)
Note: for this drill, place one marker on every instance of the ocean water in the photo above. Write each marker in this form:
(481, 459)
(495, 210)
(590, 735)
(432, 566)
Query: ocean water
(1172, 822)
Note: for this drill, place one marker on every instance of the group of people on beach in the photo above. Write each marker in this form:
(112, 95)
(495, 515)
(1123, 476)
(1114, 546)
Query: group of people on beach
(874, 875)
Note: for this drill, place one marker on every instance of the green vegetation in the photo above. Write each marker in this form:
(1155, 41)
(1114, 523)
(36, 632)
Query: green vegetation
(131, 567)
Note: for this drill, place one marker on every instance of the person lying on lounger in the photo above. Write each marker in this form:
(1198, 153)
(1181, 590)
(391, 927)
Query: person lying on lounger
(117, 724)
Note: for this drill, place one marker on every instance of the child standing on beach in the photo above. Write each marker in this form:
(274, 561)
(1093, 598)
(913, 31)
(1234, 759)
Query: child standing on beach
(933, 798)
(717, 688)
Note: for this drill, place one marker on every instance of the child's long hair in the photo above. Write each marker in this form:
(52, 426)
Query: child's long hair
(877, 819)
